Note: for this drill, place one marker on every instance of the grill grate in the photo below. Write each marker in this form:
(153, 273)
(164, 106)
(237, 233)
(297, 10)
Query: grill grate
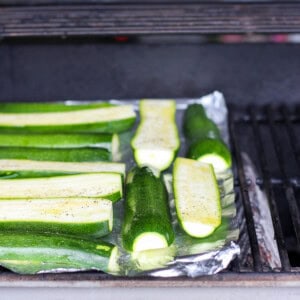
(270, 137)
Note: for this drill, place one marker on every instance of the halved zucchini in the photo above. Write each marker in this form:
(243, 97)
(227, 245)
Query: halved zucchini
(197, 197)
(156, 140)
(98, 185)
(79, 216)
(62, 155)
(31, 253)
(15, 165)
(61, 140)
(109, 119)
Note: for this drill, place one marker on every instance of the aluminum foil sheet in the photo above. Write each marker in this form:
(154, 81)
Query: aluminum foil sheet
(187, 256)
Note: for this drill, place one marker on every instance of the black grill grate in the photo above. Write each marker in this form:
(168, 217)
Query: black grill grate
(270, 137)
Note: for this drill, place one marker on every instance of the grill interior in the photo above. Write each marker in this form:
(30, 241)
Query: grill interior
(270, 137)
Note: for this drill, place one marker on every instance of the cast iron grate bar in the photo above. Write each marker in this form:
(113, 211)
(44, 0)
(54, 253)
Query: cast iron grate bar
(289, 191)
(267, 185)
(245, 198)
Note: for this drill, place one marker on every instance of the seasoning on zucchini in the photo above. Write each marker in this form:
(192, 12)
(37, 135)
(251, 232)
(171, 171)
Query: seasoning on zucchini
(31, 253)
(95, 185)
(63, 155)
(110, 119)
(78, 216)
(17, 165)
(156, 140)
(205, 140)
(147, 223)
(197, 197)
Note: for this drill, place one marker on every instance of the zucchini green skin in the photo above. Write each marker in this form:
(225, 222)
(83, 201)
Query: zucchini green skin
(197, 126)
(101, 127)
(45, 140)
(37, 107)
(212, 146)
(204, 137)
(146, 207)
(27, 253)
(63, 155)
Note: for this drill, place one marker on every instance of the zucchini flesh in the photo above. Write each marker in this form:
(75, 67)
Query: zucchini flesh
(197, 197)
(62, 155)
(17, 165)
(95, 185)
(109, 119)
(206, 144)
(78, 216)
(70, 140)
(147, 223)
(31, 253)
(156, 140)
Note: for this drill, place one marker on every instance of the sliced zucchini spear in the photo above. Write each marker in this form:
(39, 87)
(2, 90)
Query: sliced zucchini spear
(78, 216)
(31, 253)
(95, 185)
(109, 119)
(61, 140)
(17, 165)
(156, 141)
(197, 197)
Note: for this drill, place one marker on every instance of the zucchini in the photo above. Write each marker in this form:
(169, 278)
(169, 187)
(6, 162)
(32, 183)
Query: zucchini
(70, 140)
(147, 223)
(38, 107)
(205, 141)
(197, 197)
(211, 151)
(17, 165)
(31, 253)
(95, 185)
(63, 155)
(110, 119)
(78, 216)
(156, 140)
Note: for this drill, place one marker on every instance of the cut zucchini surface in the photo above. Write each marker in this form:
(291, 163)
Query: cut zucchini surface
(197, 197)
(51, 166)
(147, 223)
(31, 253)
(109, 119)
(211, 151)
(98, 185)
(80, 216)
(156, 140)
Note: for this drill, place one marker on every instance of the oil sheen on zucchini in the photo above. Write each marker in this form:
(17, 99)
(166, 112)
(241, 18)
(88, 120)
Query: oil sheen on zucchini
(205, 141)
(110, 119)
(197, 197)
(78, 216)
(156, 140)
(31, 253)
(147, 224)
(95, 185)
